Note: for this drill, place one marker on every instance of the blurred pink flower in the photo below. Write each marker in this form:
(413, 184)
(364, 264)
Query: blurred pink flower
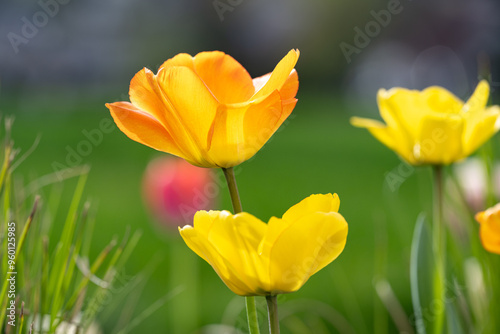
(473, 179)
(173, 190)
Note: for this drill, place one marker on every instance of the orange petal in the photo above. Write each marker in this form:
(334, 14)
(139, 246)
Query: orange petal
(291, 86)
(143, 128)
(190, 103)
(490, 235)
(241, 130)
(144, 94)
(280, 75)
(224, 76)
(287, 92)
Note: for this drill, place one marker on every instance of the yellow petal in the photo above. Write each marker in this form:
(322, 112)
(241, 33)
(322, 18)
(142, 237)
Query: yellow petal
(303, 247)
(314, 203)
(280, 75)
(143, 128)
(440, 139)
(203, 248)
(378, 129)
(441, 100)
(237, 239)
(480, 128)
(478, 100)
(394, 138)
(204, 220)
(402, 110)
(239, 131)
(190, 103)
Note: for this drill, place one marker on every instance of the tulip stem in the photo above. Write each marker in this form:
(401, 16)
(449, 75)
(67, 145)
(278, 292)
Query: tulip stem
(253, 321)
(233, 189)
(272, 309)
(439, 244)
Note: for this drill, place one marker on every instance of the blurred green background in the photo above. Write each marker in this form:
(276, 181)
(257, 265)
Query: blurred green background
(57, 81)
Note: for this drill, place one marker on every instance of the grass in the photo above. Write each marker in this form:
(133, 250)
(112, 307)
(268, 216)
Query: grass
(317, 151)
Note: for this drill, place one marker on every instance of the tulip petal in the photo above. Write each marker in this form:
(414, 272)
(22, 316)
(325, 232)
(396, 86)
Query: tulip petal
(287, 93)
(228, 81)
(489, 230)
(440, 139)
(204, 249)
(402, 110)
(478, 100)
(290, 88)
(481, 126)
(239, 131)
(143, 128)
(490, 237)
(441, 100)
(303, 247)
(145, 95)
(189, 102)
(182, 59)
(394, 139)
(237, 240)
(203, 221)
(314, 203)
(280, 75)
(259, 82)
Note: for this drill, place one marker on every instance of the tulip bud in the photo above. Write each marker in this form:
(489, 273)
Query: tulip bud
(173, 190)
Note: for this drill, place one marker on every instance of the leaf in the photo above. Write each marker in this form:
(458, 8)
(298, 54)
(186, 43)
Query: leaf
(421, 279)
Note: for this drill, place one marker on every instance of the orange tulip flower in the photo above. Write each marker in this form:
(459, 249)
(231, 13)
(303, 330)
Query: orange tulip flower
(207, 109)
(489, 230)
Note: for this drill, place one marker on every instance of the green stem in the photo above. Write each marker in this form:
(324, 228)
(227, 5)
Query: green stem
(272, 309)
(439, 245)
(233, 189)
(253, 321)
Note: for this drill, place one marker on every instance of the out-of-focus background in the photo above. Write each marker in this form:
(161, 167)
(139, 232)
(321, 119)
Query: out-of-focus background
(62, 60)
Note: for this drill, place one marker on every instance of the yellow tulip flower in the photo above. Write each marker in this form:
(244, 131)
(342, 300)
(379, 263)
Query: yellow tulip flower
(489, 230)
(258, 259)
(433, 126)
(207, 109)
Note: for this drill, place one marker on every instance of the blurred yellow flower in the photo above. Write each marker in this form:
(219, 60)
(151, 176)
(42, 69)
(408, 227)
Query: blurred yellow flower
(433, 126)
(207, 109)
(489, 230)
(257, 259)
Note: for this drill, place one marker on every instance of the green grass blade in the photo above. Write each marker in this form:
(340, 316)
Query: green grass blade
(421, 265)
(19, 246)
(63, 253)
